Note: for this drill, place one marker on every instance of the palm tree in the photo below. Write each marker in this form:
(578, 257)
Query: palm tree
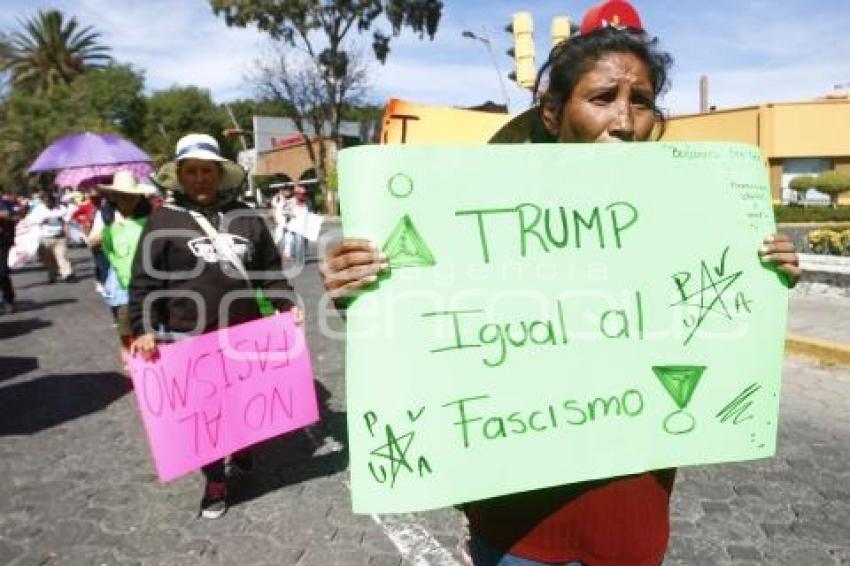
(5, 52)
(49, 50)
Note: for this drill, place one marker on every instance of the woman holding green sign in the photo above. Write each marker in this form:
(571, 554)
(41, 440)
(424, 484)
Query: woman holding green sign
(600, 86)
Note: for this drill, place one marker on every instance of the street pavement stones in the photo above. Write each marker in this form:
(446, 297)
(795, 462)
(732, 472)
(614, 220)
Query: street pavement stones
(79, 486)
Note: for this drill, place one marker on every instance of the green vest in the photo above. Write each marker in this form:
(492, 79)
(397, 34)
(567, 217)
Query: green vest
(120, 240)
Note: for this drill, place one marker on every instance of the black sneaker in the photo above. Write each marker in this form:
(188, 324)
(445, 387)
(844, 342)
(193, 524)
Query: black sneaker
(242, 463)
(214, 503)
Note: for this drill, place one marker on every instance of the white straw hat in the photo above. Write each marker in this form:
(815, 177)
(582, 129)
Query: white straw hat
(198, 146)
(205, 148)
(124, 181)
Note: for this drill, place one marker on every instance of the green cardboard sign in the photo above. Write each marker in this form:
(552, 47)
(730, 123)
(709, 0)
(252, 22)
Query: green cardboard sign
(557, 313)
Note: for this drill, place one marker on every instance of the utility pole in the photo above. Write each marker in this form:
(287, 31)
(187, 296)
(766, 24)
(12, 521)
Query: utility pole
(241, 133)
(485, 39)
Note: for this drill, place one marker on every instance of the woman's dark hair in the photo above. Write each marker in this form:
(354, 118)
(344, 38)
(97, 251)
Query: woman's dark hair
(107, 212)
(143, 208)
(570, 60)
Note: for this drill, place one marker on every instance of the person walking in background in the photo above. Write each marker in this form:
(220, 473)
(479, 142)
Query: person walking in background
(18, 204)
(7, 239)
(53, 244)
(84, 216)
(300, 210)
(120, 239)
(282, 213)
(73, 231)
(113, 295)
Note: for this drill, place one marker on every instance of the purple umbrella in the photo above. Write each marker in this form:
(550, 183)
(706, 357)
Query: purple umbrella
(86, 149)
(75, 176)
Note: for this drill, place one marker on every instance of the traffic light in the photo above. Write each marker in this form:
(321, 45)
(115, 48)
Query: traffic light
(522, 27)
(561, 29)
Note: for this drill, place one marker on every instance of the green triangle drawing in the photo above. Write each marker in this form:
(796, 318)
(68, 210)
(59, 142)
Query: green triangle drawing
(406, 248)
(679, 381)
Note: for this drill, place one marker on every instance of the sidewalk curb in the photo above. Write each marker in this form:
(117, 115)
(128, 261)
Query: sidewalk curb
(822, 350)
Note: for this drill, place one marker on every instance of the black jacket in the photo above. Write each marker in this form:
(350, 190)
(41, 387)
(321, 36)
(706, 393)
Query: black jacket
(7, 225)
(175, 257)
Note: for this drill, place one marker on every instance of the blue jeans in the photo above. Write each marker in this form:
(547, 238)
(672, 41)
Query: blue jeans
(485, 555)
(299, 249)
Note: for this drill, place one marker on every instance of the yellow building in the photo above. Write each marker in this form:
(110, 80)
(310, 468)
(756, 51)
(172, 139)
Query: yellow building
(797, 138)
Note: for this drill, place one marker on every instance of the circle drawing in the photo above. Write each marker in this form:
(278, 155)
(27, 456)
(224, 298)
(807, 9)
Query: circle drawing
(400, 185)
(679, 422)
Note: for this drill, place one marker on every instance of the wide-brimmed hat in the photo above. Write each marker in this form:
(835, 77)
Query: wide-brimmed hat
(124, 181)
(205, 148)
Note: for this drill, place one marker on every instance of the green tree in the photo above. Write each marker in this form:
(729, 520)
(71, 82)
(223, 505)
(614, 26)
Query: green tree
(112, 99)
(294, 22)
(331, 76)
(101, 100)
(363, 113)
(5, 52)
(178, 111)
(319, 28)
(833, 183)
(802, 184)
(49, 50)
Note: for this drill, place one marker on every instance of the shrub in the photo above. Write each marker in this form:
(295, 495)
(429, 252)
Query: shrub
(832, 183)
(802, 184)
(811, 214)
(827, 241)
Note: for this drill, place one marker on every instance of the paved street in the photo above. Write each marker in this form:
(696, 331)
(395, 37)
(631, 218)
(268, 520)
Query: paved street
(820, 316)
(79, 486)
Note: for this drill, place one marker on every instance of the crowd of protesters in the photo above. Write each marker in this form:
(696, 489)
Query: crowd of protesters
(116, 214)
(53, 222)
(11, 208)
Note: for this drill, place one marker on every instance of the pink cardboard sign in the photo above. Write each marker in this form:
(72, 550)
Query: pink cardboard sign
(208, 396)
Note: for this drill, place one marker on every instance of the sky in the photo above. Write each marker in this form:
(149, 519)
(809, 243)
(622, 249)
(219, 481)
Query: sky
(753, 51)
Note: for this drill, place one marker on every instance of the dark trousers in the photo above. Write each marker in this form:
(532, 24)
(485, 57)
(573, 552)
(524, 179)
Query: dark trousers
(5, 278)
(214, 471)
(101, 265)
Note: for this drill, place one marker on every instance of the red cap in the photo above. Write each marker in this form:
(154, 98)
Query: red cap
(618, 14)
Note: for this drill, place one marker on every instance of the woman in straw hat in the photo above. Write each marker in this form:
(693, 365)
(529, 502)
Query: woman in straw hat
(603, 86)
(196, 254)
(119, 240)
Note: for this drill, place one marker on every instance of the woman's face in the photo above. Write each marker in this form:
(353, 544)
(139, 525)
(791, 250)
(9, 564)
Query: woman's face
(200, 179)
(126, 203)
(611, 102)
